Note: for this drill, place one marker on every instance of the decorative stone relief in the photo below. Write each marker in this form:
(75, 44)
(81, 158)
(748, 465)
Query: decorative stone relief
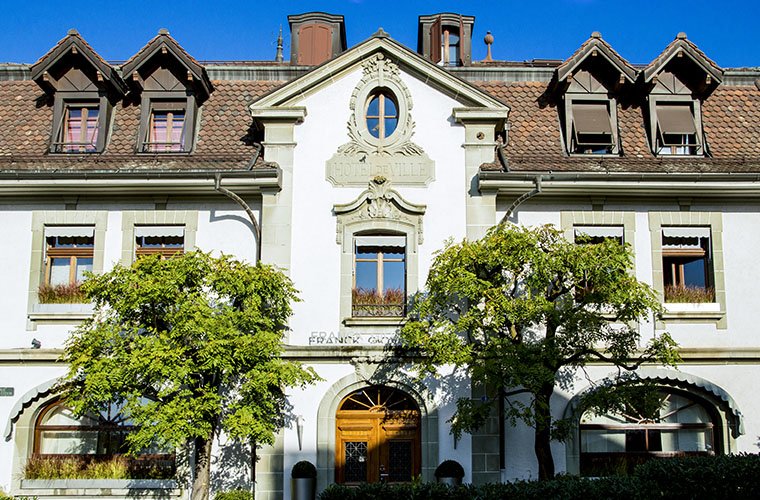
(365, 156)
(379, 202)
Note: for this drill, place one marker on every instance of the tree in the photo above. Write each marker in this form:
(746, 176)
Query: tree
(190, 346)
(522, 310)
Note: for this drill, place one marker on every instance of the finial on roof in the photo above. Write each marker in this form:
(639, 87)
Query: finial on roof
(380, 33)
(278, 57)
(163, 31)
(488, 39)
(72, 31)
(681, 35)
(596, 34)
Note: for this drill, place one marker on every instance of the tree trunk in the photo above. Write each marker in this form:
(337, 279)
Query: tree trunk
(202, 469)
(542, 443)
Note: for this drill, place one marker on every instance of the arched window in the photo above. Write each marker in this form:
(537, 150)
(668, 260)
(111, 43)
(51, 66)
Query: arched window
(382, 114)
(61, 436)
(614, 443)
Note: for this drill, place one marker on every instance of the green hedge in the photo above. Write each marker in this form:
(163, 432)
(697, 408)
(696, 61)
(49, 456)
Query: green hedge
(234, 495)
(724, 477)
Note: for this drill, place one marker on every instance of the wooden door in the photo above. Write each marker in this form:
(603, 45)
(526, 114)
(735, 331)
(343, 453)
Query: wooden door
(377, 437)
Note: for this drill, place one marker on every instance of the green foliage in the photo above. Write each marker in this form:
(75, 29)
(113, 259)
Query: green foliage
(303, 469)
(76, 468)
(190, 345)
(234, 495)
(723, 477)
(449, 468)
(523, 308)
(61, 294)
(689, 294)
(5, 496)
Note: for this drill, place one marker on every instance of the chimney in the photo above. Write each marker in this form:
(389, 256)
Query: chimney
(316, 37)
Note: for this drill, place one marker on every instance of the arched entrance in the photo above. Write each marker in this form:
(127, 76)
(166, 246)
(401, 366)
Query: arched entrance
(377, 437)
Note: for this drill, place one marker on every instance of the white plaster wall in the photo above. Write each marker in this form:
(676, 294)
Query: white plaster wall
(16, 254)
(315, 255)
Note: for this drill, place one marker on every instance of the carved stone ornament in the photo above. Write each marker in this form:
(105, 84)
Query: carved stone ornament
(365, 156)
(380, 204)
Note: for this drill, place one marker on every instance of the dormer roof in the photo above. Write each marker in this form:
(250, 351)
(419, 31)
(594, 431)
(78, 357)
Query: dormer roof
(683, 47)
(164, 44)
(65, 54)
(595, 46)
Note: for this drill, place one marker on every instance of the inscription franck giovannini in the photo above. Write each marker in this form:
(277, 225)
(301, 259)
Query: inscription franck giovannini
(365, 156)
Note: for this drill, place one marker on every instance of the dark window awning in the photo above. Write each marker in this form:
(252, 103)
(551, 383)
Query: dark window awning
(591, 118)
(675, 119)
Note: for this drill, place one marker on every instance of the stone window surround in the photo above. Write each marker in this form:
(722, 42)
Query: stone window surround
(367, 228)
(570, 219)
(715, 221)
(41, 219)
(132, 218)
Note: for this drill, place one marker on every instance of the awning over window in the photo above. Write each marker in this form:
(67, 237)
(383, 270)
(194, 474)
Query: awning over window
(686, 232)
(675, 119)
(159, 231)
(380, 241)
(70, 231)
(599, 231)
(591, 118)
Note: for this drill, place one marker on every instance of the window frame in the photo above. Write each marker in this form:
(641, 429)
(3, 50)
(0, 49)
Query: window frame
(63, 102)
(570, 135)
(168, 102)
(165, 252)
(657, 135)
(379, 289)
(381, 94)
(132, 219)
(74, 253)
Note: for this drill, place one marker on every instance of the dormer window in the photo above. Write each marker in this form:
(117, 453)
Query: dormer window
(591, 128)
(446, 38)
(83, 88)
(676, 130)
(166, 128)
(78, 131)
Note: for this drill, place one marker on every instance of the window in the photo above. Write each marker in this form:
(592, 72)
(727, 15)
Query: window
(450, 46)
(677, 424)
(68, 255)
(96, 437)
(379, 287)
(165, 241)
(585, 235)
(676, 130)
(382, 114)
(166, 128)
(687, 264)
(591, 128)
(79, 130)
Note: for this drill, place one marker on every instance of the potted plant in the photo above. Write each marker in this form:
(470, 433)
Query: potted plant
(303, 485)
(449, 472)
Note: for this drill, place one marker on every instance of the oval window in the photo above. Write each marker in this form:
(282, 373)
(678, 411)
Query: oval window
(382, 114)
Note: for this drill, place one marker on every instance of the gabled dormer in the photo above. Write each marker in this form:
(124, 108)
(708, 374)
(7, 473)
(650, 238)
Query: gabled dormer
(587, 87)
(84, 88)
(446, 38)
(676, 83)
(171, 86)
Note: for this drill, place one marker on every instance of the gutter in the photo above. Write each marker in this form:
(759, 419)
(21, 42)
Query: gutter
(623, 184)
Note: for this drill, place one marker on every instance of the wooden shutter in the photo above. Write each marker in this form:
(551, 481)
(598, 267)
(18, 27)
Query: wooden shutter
(435, 41)
(314, 44)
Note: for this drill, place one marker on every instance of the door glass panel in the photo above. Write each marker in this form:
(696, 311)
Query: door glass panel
(356, 462)
(400, 461)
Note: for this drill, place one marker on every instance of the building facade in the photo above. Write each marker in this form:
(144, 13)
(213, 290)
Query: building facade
(349, 168)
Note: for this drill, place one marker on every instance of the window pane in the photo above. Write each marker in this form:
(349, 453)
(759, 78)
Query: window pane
(158, 132)
(373, 125)
(92, 128)
(390, 126)
(694, 272)
(62, 415)
(177, 132)
(366, 275)
(59, 271)
(83, 264)
(69, 442)
(390, 107)
(373, 108)
(394, 276)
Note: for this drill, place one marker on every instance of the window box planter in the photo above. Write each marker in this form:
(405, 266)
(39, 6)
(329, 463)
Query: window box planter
(99, 488)
(688, 310)
(61, 312)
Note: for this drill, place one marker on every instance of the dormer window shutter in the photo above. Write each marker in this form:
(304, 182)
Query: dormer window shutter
(676, 119)
(591, 118)
(435, 41)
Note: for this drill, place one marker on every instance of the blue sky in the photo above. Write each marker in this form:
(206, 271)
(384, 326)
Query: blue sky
(727, 31)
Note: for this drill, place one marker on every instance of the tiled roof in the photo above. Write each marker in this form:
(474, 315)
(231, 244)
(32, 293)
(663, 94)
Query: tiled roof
(224, 137)
(730, 116)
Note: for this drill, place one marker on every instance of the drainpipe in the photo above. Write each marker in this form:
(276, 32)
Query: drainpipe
(521, 199)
